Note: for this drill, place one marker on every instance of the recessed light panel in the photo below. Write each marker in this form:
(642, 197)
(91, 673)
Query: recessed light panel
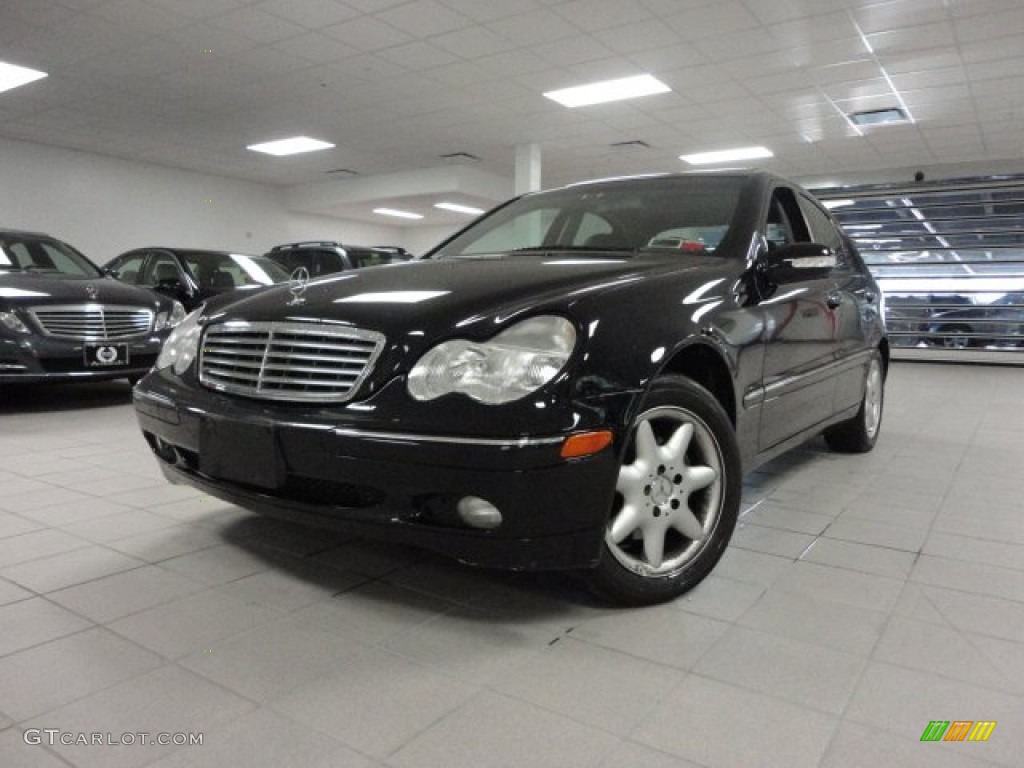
(293, 146)
(728, 155)
(397, 214)
(608, 90)
(879, 117)
(12, 76)
(467, 209)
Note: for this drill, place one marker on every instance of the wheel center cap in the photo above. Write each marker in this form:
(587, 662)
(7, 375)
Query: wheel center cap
(661, 490)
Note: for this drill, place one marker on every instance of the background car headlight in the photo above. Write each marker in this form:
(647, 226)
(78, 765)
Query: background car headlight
(12, 322)
(182, 345)
(516, 362)
(171, 318)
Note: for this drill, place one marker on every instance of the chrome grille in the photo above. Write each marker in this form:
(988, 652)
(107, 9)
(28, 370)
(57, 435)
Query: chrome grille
(93, 322)
(299, 362)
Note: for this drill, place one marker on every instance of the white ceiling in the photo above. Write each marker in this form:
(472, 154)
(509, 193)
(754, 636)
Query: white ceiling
(396, 84)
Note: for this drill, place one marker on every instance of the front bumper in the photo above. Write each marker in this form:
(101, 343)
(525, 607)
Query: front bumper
(30, 359)
(383, 483)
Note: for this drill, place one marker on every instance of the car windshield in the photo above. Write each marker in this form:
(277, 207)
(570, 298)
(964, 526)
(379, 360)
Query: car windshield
(43, 256)
(677, 214)
(233, 269)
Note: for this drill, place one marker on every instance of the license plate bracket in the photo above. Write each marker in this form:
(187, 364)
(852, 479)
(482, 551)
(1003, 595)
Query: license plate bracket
(248, 454)
(106, 355)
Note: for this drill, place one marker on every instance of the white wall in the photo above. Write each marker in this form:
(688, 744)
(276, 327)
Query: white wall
(421, 239)
(104, 206)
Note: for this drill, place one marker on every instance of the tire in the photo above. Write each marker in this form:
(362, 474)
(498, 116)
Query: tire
(859, 434)
(676, 499)
(956, 337)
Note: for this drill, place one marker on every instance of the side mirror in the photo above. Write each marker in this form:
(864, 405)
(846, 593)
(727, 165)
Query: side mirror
(797, 262)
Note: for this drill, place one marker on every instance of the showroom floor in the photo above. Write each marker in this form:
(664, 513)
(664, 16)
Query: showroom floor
(861, 598)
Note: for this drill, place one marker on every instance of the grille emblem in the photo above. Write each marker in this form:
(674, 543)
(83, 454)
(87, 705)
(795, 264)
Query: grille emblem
(92, 291)
(300, 279)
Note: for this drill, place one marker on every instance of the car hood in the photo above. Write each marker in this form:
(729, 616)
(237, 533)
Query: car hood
(436, 297)
(29, 289)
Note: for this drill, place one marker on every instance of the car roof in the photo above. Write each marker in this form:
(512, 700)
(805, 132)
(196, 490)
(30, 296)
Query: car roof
(24, 232)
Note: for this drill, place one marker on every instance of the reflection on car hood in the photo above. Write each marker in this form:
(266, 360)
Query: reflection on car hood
(450, 293)
(32, 289)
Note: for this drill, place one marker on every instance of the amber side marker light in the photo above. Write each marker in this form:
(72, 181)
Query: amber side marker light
(586, 443)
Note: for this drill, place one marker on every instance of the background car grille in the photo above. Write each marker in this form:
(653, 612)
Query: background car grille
(93, 322)
(299, 362)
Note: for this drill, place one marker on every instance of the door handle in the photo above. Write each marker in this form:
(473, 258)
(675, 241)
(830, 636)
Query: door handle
(833, 300)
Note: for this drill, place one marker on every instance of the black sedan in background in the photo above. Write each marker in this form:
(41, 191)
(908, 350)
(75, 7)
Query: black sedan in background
(578, 379)
(62, 319)
(191, 276)
(322, 257)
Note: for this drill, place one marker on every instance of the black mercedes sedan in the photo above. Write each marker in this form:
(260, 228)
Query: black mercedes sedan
(577, 380)
(62, 319)
(191, 275)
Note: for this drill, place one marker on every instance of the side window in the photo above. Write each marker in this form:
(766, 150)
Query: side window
(161, 266)
(823, 230)
(785, 223)
(328, 262)
(129, 268)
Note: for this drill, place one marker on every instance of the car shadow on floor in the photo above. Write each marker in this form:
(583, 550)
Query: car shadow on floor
(52, 398)
(337, 564)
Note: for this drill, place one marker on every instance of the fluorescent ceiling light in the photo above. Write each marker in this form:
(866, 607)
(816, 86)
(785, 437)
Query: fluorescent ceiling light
(727, 155)
(608, 90)
(830, 204)
(293, 146)
(397, 213)
(11, 76)
(467, 209)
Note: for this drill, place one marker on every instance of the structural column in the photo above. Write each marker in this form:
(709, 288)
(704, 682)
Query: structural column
(527, 168)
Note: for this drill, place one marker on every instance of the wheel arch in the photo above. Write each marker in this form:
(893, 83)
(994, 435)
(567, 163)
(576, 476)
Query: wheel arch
(704, 365)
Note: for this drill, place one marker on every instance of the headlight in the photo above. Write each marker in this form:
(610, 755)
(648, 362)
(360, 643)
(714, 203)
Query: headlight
(516, 362)
(170, 319)
(12, 322)
(182, 345)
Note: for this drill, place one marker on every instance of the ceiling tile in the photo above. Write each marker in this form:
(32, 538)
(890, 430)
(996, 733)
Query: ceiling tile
(489, 10)
(713, 20)
(638, 37)
(472, 43)
(898, 14)
(423, 18)
(256, 25)
(311, 14)
(533, 28)
(592, 15)
(316, 47)
(918, 38)
(367, 34)
(198, 9)
(418, 56)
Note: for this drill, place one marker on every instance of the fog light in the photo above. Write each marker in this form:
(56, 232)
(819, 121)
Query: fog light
(478, 513)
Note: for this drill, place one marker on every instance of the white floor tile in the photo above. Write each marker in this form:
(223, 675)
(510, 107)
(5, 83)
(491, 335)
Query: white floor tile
(730, 726)
(488, 732)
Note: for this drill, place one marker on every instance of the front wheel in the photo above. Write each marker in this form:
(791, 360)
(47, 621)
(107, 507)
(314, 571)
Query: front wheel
(676, 498)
